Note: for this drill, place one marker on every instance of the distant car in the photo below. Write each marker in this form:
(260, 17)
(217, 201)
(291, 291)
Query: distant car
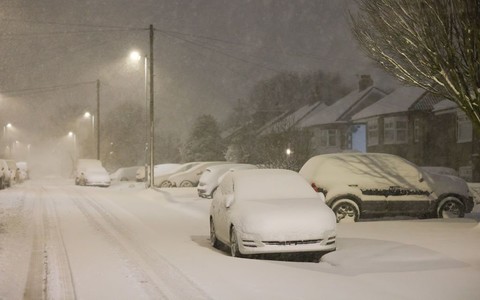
(94, 176)
(270, 211)
(125, 174)
(376, 184)
(190, 177)
(157, 169)
(91, 172)
(4, 174)
(12, 169)
(208, 181)
(161, 178)
(23, 173)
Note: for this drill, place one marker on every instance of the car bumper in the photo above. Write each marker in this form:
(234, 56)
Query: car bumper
(98, 183)
(252, 244)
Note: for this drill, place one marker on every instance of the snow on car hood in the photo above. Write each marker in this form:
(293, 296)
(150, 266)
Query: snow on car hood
(285, 219)
(448, 184)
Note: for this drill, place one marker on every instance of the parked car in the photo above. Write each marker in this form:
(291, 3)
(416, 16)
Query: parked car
(124, 174)
(12, 169)
(190, 177)
(161, 178)
(270, 211)
(4, 174)
(157, 169)
(91, 172)
(23, 173)
(209, 180)
(376, 184)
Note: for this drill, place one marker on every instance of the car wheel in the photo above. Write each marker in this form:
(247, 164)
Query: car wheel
(234, 250)
(165, 184)
(213, 236)
(450, 207)
(346, 210)
(186, 183)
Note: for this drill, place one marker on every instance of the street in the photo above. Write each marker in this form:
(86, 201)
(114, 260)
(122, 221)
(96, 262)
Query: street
(61, 241)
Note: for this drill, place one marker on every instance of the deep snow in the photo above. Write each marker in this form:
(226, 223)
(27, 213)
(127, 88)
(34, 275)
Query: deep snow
(125, 242)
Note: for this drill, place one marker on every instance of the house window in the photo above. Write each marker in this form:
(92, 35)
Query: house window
(417, 130)
(328, 137)
(372, 132)
(395, 130)
(464, 128)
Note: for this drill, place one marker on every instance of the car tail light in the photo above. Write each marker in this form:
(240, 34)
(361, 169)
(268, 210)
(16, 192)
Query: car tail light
(317, 189)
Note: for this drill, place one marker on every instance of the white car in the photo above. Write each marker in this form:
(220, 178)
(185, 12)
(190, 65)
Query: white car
(209, 180)
(94, 176)
(190, 177)
(159, 169)
(125, 174)
(270, 211)
(91, 172)
(377, 184)
(161, 179)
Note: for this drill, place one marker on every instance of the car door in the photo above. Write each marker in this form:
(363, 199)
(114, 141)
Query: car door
(221, 212)
(411, 194)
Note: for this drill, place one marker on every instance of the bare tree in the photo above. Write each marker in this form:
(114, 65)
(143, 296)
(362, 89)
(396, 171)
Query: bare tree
(432, 44)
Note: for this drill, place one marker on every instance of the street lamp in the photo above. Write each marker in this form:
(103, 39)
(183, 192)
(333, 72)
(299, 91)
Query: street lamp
(74, 137)
(149, 176)
(88, 115)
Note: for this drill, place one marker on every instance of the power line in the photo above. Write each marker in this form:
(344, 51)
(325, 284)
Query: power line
(60, 32)
(73, 24)
(46, 88)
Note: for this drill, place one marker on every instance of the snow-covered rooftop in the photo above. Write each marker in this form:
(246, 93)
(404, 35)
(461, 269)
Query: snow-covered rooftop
(444, 105)
(399, 100)
(334, 113)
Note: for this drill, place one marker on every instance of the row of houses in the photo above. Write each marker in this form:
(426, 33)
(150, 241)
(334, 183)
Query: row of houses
(410, 122)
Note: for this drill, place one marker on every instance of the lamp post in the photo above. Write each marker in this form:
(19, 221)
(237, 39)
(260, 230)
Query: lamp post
(88, 115)
(73, 136)
(136, 56)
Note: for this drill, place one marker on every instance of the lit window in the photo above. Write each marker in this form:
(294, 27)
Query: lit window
(395, 130)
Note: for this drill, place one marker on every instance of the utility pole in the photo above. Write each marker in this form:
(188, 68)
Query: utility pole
(98, 119)
(152, 123)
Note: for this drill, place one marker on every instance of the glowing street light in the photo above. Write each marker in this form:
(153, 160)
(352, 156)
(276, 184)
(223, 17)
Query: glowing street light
(74, 137)
(149, 176)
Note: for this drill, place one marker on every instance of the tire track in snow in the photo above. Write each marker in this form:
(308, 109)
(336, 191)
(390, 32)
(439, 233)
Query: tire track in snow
(49, 275)
(170, 282)
(36, 278)
(60, 284)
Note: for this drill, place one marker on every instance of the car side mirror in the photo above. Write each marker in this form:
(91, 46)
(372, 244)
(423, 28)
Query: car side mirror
(229, 200)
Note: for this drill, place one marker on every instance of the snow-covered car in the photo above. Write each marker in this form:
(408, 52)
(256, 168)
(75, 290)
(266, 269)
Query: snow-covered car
(12, 169)
(124, 174)
(209, 180)
(4, 174)
(157, 169)
(91, 172)
(270, 211)
(23, 173)
(94, 176)
(376, 184)
(161, 178)
(190, 177)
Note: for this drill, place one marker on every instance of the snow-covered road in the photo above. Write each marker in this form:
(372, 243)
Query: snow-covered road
(60, 241)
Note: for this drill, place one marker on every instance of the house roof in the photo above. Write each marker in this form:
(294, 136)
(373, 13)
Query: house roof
(291, 118)
(339, 111)
(444, 106)
(400, 100)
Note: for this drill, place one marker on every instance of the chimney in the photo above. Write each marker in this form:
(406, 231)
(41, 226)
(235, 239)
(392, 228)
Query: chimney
(364, 82)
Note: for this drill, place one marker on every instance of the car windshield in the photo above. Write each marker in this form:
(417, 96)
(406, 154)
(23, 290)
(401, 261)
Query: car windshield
(271, 185)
